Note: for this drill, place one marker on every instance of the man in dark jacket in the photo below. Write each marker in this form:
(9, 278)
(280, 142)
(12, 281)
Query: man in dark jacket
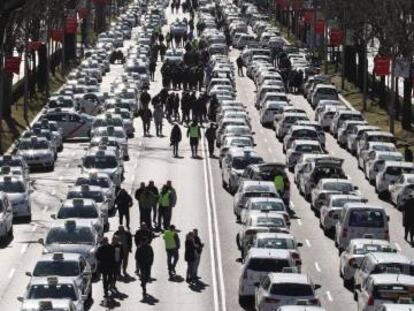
(408, 154)
(123, 202)
(408, 218)
(105, 255)
(146, 201)
(151, 187)
(144, 257)
(145, 98)
(211, 138)
(175, 138)
(239, 63)
(125, 239)
(146, 116)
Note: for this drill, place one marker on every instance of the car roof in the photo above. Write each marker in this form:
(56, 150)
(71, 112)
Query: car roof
(268, 253)
(368, 241)
(72, 202)
(249, 183)
(387, 278)
(36, 304)
(44, 280)
(65, 257)
(302, 127)
(277, 277)
(305, 142)
(243, 152)
(280, 235)
(358, 205)
(90, 188)
(79, 223)
(338, 180)
(384, 257)
(375, 133)
(260, 199)
(398, 164)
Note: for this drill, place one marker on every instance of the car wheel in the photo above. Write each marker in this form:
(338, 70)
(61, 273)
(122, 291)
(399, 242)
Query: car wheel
(348, 283)
(383, 195)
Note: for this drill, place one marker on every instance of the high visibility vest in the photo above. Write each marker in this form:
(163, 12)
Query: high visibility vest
(279, 183)
(169, 238)
(194, 131)
(165, 199)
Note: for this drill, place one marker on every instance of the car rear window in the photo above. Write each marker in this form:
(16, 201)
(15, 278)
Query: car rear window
(366, 218)
(294, 290)
(267, 264)
(393, 292)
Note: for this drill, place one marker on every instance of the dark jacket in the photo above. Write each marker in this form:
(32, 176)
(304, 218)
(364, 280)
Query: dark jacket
(176, 135)
(408, 155)
(198, 245)
(106, 257)
(138, 193)
(145, 98)
(123, 201)
(190, 250)
(211, 134)
(144, 255)
(146, 115)
(141, 235)
(118, 248)
(408, 213)
(128, 238)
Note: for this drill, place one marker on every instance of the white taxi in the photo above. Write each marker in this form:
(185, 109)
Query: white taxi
(401, 188)
(18, 193)
(48, 305)
(37, 152)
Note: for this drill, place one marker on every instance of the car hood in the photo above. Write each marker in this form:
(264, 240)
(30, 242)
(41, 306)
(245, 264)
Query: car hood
(37, 153)
(69, 248)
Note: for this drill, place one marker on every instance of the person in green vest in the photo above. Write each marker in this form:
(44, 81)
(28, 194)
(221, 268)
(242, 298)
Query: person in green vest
(146, 201)
(279, 183)
(194, 133)
(172, 245)
(167, 200)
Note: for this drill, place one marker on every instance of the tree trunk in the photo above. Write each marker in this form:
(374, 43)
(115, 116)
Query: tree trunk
(361, 66)
(407, 114)
(100, 18)
(42, 68)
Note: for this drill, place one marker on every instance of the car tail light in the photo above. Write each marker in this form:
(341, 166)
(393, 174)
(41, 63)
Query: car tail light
(345, 233)
(271, 300)
(314, 301)
(370, 301)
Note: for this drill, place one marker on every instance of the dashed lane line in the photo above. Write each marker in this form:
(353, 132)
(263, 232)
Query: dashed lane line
(329, 296)
(308, 244)
(317, 267)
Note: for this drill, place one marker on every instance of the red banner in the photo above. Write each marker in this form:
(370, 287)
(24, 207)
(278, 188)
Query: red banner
(34, 45)
(12, 64)
(71, 25)
(319, 27)
(308, 16)
(382, 65)
(296, 5)
(337, 36)
(83, 13)
(57, 35)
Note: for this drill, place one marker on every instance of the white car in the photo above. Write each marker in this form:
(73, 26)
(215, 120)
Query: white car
(37, 152)
(299, 132)
(269, 110)
(265, 205)
(401, 188)
(376, 160)
(127, 119)
(73, 124)
(18, 193)
(365, 153)
(301, 147)
(389, 174)
(356, 134)
(48, 304)
(352, 256)
(118, 133)
(281, 289)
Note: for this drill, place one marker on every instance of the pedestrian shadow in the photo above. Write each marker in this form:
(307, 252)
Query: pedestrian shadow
(198, 286)
(178, 157)
(127, 279)
(150, 300)
(176, 279)
(110, 304)
(119, 295)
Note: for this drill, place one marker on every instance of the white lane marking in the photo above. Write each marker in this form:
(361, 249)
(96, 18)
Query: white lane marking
(210, 234)
(292, 204)
(308, 244)
(328, 294)
(60, 178)
(397, 246)
(34, 228)
(317, 267)
(67, 164)
(136, 165)
(269, 149)
(138, 154)
(216, 229)
(53, 192)
(11, 273)
(24, 249)
(299, 222)
(45, 208)
(140, 143)
(265, 140)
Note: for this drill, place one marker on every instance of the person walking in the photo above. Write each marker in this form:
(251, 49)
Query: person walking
(123, 203)
(408, 154)
(118, 255)
(158, 117)
(164, 210)
(125, 239)
(199, 248)
(145, 98)
(172, 245)
(151, 187)
(408, 217)
(190, 257)
(185, 107)
(194, 133)
(137, 195)
(105, 255)
(144, 257)
(163, 50)
(239, 62)
(211, 138)
(146, 116)
(146, 202)
(152, 67)
(175, 138)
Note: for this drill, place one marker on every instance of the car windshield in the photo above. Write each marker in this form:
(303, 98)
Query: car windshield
(100, 182)
(35, 145)
(328, 91)
(12, 187)
(338, 186)
(381, 138)
(97, 196)
(328, 172)
(393, 292)
(291, 290)
(383, 148)
(77, 212)
(308, 148)
(11, 162)
(56, 267)
(267, 264)
(239, 142)
(269, 222)
(100, 162)
(367, 218)
(394, 268)
(237, 131)
(268, 205)
(305, 134)
(276, 243)
(242, 162)
(341, 202)
(78, 235)
(60, 103)
(59, 291)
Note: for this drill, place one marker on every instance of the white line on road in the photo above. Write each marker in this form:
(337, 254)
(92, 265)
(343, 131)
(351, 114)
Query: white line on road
(11, 273)
(328, 294)
(60, 178)
(265, 140)
(24, 249)
(292, 204)
(216, 230)
(67, 164)
(210, 231)
(397, 246)
(269, 149)
(299, 222)
(135, 165)
(308, 244)
(317, 267)
(45, 208)
(53, 192)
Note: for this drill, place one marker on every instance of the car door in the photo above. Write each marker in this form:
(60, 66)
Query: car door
(78, 125)
(8, 212)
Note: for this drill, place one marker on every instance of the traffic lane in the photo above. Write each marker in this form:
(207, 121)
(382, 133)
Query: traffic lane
(350, 166)
(323, 269)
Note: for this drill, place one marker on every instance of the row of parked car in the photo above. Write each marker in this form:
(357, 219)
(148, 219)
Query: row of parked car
(269, 252)
(63, 275)
(369, 264)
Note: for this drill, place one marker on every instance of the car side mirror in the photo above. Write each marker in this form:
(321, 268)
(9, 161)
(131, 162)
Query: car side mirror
(253, 133)
(28, 273)
(317, 286)
(20, 299)
(356, 188)
(41, 241)
(388, 217)
(300, 244)
(53, 216)
(257, 284)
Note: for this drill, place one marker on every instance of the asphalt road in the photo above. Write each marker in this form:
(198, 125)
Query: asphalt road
(203, 204)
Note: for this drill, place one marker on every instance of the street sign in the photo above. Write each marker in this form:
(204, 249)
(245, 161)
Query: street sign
(382, 65)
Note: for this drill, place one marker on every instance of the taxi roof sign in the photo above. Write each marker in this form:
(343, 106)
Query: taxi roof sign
(85, 187)
(78, 201)
(52, 280)
(290, 270)
(45, 305)
(58, 256)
